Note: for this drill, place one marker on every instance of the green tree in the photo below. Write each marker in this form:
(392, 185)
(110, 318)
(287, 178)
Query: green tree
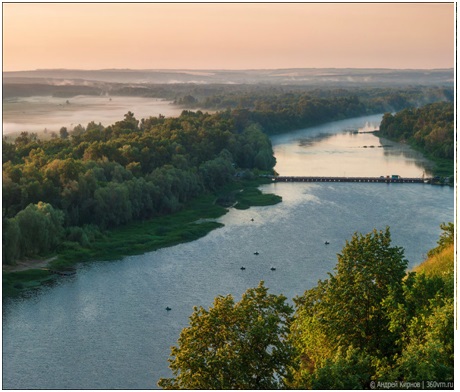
(345, 312)
(11, 245)
(63, 133)
(351, 369)
(232, 345)
(112, 205)
(446, 238)
(366, 270)
(429, 353)
(40, 227)
(424, 320)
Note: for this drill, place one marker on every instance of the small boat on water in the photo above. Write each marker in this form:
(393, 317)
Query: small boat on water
(273, 269)
(168, 308)
(242, 268)
(326, 243)
(256, 253)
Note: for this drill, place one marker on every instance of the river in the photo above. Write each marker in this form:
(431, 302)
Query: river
(107, 327)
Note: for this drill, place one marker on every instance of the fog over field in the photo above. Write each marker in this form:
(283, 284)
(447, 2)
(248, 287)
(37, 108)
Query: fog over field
(40, 100)
(37, 113)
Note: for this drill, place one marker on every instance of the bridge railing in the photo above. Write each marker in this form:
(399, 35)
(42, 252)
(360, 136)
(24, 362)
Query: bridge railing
(351, 179)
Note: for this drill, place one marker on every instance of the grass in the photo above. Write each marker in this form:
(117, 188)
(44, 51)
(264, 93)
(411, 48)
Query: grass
(440, 264)
(252, 196)
(140, 237)
(193, 222)
(16, 283)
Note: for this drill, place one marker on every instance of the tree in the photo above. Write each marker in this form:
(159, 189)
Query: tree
(64, 133)
(347, 370)
(366, 270)
(11, 246)
(429, 353)
(424, 318)
(112, 205)
(344, 313)
(232, 345)
(446, 238)
(40, 228)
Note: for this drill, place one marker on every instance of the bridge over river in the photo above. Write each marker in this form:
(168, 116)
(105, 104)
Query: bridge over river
(393, 179)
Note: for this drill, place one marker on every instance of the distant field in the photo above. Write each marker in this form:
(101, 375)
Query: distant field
(46, 113)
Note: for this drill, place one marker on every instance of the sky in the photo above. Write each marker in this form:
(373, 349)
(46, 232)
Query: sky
(227, 35)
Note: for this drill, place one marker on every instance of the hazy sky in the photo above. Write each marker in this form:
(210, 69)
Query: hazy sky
(227, 36)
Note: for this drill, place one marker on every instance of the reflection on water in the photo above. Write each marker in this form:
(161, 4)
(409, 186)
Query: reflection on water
(107, 328)
(336, 150)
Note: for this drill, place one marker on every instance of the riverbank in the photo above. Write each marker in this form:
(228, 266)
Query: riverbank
(442, 167)
(196, 220)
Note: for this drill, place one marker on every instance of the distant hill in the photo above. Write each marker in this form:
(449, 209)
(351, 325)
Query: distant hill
(345, 77)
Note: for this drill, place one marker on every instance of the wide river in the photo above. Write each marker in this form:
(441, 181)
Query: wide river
(107, 327)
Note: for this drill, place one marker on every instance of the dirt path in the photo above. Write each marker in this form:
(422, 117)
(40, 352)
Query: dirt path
(28, 264)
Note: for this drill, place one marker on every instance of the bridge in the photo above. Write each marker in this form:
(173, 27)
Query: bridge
(387, 180)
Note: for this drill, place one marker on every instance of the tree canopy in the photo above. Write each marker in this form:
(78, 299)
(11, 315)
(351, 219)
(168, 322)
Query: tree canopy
(369, 321)
(430, 127)
(240, 345)
(132, 170)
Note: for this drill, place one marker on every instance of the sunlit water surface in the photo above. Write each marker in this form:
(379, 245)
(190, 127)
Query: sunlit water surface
(347, 149)
(107, 327)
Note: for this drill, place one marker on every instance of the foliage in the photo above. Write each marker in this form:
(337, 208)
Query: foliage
(136, 170)
(430, 128)
(33, 231)
(251, 196)
(24, 281)
(424, 322)
(127, 172)
(232, 345)
(351, 369)
(439, 263)
(283, 108)
(429, 352)
(370, 321)
(344, 312)
(446, 238)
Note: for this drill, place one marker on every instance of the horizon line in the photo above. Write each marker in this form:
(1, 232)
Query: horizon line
(226, 69)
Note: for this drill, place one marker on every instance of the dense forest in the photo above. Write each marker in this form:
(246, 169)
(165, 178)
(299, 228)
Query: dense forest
(430, 128)
(370, 325)
(369, 321)
(280, 110)
(67, 189)
(261, 96)
(92, 178)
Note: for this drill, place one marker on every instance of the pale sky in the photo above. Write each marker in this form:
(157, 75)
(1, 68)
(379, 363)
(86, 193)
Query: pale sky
(227, 35)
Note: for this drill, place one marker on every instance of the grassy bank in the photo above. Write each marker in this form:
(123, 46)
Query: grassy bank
(441, 264)
(193, 222)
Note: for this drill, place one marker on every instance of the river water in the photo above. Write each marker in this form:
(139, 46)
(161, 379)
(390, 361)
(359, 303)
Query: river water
(107, 327)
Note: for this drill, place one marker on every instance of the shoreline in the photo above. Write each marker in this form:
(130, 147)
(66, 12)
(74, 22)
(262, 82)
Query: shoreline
(194, 221)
